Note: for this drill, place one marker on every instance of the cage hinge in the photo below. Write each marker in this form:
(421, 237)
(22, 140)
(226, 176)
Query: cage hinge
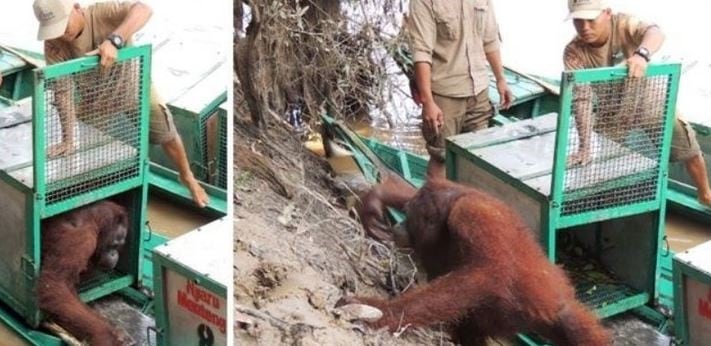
(28, 267)
(570, 77)
(155, 330)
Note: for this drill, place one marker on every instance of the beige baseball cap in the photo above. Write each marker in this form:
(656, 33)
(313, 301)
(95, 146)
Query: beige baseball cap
(53, 16)
(586, 9)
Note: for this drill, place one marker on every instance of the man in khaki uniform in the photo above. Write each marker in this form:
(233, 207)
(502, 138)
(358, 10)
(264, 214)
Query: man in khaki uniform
(605, 39)
(70, 31)
(451, 43)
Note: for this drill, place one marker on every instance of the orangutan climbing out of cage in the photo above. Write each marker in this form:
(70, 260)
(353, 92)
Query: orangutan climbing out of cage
(488, 275)
(73, 244)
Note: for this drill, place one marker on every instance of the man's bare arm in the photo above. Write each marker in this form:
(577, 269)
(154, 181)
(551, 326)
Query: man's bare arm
(423, 80)
(583, 110)
(432, 116)
(137, 17)
(652, 41)
(67, 119)
(497, 66)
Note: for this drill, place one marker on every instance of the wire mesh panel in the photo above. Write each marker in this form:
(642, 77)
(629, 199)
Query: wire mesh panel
(222, 151)
(92, 125)
(615, 150)
(213, 146)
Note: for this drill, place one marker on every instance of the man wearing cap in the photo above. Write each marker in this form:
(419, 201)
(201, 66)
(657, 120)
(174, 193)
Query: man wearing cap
(70, 31)
(605, 39)
(451, 43)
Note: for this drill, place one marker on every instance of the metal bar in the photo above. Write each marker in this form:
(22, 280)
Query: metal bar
(404, 165)
(166, 180)
(620, 72)
(681, 327)
(561, 144)
(90, 197)
(31, 336)
(161, 313)
(213, 105)
(39, 150)
(670, 118)
(606, 214)
(106, 288)
(140, 200)
(623, 305)
(90, 62)
(34, 252)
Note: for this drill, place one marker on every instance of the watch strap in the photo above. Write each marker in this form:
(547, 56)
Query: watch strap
(643, 52)
(116, 40)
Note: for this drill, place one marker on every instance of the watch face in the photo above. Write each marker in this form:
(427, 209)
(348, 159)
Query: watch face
(116, 40)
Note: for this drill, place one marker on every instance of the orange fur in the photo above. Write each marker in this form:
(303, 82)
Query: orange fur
(69, 242)
(488, 275)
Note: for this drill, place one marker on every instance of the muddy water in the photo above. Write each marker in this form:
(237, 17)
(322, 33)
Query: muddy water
(9, 337)
(683, 233)
(171, 220)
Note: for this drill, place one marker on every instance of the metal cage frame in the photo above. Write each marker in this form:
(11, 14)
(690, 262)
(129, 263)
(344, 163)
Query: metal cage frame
(36, 207)
(544, 208)
(684, 269)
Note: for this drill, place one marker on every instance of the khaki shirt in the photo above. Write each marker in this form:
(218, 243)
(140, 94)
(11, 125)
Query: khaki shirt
(453, 36)
(619, 104)
(627, 34)
(101, 20)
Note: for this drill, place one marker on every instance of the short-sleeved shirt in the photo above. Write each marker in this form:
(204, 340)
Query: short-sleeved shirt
(101, 20)
(626, 36)
(454, 36)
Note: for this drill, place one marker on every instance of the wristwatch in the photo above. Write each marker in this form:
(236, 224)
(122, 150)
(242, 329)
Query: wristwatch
(116, 40)
(643, 52)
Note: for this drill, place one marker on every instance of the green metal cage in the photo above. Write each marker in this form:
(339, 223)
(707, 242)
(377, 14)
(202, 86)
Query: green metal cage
(692, 296)
(101, 117)
(191, 291)
(204, 133)
(584, 215)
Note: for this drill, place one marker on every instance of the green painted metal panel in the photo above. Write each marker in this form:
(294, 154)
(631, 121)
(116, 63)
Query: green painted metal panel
(111, 110)
(105, 285)
(607, 214)
(166, 180)
(33, 337)
(692, 278)
(454, 151)
(51, 195)
(176, 270)
(556, 216)
(152, 241)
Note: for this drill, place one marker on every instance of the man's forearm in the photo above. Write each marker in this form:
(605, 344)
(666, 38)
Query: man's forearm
(583, 117)
(67, 115)
(653, 39)
(137, 17)
(497, 65)
(423, 79)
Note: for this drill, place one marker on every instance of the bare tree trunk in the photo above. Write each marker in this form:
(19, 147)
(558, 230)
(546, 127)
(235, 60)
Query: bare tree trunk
(279, 58)
(238, 14)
